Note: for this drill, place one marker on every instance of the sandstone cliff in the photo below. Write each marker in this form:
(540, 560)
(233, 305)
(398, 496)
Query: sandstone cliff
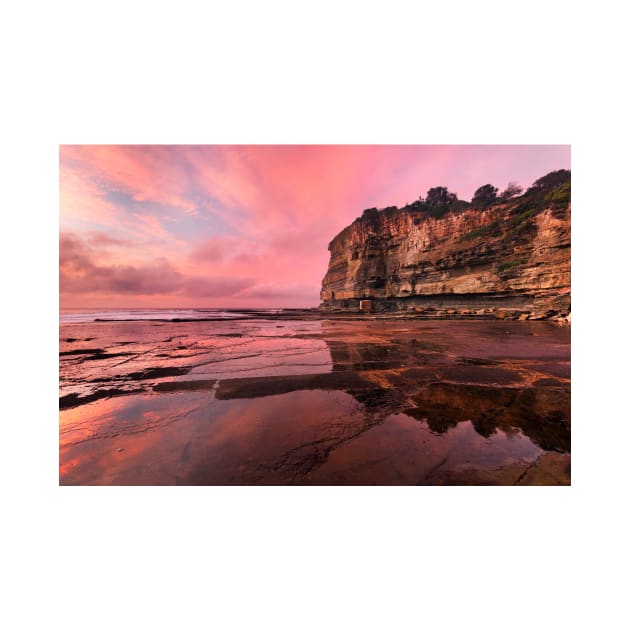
(510, 259)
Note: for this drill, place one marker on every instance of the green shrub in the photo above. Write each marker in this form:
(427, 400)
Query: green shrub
(552, 190)
(560, 195)
(487, 230)
(551, 180)
(509, 265)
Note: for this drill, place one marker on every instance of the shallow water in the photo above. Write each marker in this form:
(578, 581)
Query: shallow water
(269, 401)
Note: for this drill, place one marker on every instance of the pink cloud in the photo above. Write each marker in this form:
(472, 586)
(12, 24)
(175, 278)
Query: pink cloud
(81, 271)
(82, 201)
(215, 287)
(147, 173)
(151, 226)
(102, 239)
(227, 248)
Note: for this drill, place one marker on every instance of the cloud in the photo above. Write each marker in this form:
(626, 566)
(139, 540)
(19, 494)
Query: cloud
(80, 272)
(84, 201)
(226, 249)
(102, 239)
(146, 173)
(151, 226)
(277, 290)
(215, 287)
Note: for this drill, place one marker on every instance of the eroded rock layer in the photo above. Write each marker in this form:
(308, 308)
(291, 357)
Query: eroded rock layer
(502, 260)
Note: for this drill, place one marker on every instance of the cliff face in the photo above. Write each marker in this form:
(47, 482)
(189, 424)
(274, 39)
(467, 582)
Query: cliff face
(505, 257)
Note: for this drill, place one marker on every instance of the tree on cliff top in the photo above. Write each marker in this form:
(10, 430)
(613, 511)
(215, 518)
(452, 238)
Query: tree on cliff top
(552, 189)
(551, 180)
(439, 201)
(484, 196)
(440, 197)
(512, 190)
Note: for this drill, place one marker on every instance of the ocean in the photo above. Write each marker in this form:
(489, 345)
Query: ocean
(83, 315)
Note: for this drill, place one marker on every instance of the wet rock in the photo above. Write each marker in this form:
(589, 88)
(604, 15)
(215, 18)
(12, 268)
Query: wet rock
(157, 372)
(101, 356)
(476, 361)
(365, 306)
(514, 314)
(268, 386)
(74, 400)
(551, 469)
(480, 374)
(458, 392)
(180, 386)
(82, 351)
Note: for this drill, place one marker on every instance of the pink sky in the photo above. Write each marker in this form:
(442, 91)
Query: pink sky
(239, 226)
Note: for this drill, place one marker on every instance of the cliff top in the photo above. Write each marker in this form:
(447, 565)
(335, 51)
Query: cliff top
(550, 191)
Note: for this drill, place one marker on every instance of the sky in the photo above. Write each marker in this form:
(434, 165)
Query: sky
(244, 226)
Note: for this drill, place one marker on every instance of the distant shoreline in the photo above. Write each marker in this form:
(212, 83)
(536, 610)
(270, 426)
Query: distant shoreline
(316, 314)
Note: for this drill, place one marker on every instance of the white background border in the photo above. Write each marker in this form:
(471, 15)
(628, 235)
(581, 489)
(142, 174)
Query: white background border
(325, 72)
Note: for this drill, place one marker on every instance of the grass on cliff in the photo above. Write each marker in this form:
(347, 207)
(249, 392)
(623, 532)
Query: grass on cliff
(551, 191)
(509, 264)
(494, 229)
(511, 228)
